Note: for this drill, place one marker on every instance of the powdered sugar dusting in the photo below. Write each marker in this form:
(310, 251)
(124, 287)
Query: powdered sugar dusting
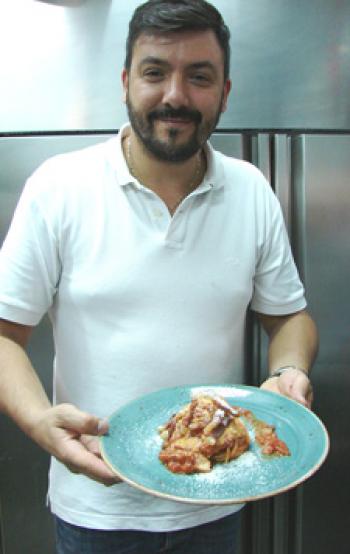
(219, 391)
(246, 477)
(132, 447)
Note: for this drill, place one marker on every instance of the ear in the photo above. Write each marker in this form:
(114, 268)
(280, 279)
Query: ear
(227, 89)
(125, 81)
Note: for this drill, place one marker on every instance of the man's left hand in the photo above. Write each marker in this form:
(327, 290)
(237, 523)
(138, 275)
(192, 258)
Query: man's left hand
(292, 383)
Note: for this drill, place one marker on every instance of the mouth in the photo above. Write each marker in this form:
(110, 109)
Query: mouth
(176, 118)
(175, 121)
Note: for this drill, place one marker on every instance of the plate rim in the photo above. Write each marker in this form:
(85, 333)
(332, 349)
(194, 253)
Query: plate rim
(221, 501)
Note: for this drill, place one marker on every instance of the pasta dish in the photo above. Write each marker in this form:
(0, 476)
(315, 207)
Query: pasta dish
(208, 430)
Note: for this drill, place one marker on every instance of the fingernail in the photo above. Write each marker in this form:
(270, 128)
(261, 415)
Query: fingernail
(102, 427)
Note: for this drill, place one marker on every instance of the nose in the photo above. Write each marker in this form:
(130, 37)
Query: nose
(175, 93)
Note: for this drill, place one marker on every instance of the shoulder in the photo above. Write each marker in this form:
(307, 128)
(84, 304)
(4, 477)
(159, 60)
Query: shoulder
(247, 171)
(76, 162)
(69, 172)
(238, 176)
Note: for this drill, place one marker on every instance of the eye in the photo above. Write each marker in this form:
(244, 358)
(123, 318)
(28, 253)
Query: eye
(200, 79)
(153, 74)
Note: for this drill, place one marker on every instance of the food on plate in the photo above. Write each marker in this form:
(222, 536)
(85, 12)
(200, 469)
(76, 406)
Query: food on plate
(266, 436)
(205, 431)
(208, 430)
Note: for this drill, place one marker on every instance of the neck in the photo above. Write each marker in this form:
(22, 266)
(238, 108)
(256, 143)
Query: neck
(171, 181)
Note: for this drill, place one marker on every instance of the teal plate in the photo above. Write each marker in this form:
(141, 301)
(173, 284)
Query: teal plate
(132, 445)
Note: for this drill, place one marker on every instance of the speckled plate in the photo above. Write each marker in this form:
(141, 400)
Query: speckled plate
(132, 446)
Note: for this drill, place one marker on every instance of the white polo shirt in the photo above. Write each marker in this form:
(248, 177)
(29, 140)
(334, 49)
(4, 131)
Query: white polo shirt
(140, 300)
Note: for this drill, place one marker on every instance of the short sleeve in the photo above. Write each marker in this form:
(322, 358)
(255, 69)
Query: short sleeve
(29, 259)
(277, 286)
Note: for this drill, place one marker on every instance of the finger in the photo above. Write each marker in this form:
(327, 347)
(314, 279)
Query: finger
(309, 397)
(303, 392)
(70, 417)
(80, 460)
(106, 481)
(92, 444)
(102, 427)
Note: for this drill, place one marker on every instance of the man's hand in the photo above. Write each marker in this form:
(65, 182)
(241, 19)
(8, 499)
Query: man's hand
(64, 431)
(293, 341)
(292, 383)
(72, 437)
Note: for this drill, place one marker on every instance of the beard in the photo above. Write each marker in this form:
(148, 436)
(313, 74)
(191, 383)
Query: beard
(169, 150)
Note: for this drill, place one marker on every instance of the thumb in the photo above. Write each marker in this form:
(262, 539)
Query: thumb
(300, 397)
(306, 396)
(303, 391)
(73, 419)
(298, 389)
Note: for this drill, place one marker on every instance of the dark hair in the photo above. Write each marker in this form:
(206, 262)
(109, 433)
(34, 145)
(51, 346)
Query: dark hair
(171, 16)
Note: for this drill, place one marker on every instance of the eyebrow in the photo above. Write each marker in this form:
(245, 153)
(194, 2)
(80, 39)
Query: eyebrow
(205, 64)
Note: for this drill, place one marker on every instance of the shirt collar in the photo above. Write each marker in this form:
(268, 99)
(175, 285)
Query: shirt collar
(213, 177)
(214, 174)
(117, 159)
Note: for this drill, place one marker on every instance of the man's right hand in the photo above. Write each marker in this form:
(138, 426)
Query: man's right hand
(64, 431)
(72, 437)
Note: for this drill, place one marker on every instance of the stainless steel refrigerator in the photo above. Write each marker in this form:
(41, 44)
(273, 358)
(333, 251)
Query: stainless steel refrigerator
(289, 114)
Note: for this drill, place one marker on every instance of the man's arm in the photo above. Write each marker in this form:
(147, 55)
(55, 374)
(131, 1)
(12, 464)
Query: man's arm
(293, 342)
(64, 431)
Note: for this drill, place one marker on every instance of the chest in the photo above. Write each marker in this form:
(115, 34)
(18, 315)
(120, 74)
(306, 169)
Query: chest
(129, 253)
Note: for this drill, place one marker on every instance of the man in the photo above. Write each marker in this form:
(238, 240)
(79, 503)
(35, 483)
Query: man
(146, 251)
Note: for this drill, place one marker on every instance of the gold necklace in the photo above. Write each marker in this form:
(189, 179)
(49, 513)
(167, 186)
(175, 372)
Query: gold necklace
(191, 186)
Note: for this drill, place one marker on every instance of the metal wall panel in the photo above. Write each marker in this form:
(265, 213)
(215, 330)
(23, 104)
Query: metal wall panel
(310, 174)
(61, 64)
(326, 165)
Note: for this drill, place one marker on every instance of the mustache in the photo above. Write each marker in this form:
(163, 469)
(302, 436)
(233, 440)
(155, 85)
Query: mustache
(175, 113)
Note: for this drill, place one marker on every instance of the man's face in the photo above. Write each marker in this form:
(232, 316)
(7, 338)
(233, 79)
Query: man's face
(175, 92)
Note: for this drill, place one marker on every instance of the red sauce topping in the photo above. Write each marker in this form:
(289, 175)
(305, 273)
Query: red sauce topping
(209, 430)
